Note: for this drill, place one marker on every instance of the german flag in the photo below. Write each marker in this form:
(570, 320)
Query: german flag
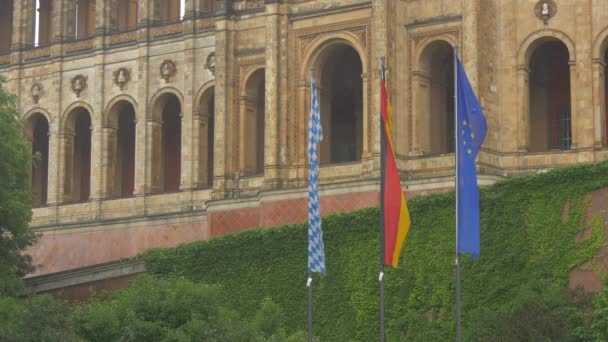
(396, 214)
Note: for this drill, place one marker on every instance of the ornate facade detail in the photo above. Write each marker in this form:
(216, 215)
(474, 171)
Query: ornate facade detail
(167, 30)
(206, 23)
(79, 45)
(5, 59)
(167, 70)
(545, 10)
(210, 63)
(38, 53)
(122, 76)
(36, 92)
(79, 84)
(122, 38)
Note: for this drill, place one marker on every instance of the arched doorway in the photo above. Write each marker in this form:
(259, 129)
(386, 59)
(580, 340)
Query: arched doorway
(166, 143)
(549, 97)
(77, 167)
(434, 84)
(340, 87)
(206, 138)
(38, 135)
(252, 124)
(121, 149)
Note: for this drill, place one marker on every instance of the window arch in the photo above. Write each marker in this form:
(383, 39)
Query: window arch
(77, 165)
(252, 123)
(206, 137)
(340, 88)
(121, 149)
(434, 86)
(549, 97)
(37, 132)
(166, 133)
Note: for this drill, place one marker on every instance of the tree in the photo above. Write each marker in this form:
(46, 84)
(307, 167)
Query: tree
(15, 197)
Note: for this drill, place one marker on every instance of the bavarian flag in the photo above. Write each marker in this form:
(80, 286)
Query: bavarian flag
(396, 214)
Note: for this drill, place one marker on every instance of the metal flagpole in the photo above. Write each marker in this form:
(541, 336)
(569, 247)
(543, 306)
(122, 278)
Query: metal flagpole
(382, 180)
(309, 285)
(458, 304)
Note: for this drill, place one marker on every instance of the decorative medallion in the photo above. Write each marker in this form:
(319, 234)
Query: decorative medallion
(122, 77)
(79, 84)
(167, 69)
(545, 10)
(210, 63)
(36, 92)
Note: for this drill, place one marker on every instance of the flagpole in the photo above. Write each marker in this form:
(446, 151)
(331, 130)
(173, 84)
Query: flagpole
(309, 280)
(456, 146)
(309, 285)
(382, 180)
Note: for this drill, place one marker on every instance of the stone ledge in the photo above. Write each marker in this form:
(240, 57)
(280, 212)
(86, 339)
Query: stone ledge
(84, 275)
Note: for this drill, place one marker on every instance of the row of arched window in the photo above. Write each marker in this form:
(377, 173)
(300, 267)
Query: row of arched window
(341, 94)
(80, 20)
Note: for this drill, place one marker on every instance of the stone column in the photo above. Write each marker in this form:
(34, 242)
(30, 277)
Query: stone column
(272, 90)
(153, 147)
(108, 162)
(581, 80)
(96, 156)
(599, 104)
(66, 16)
(469, 53)
(189, 128)
(20, 25)
(575, 110)
(421, 116)
(380, 47)
(523, 109)
(103, 15)
(54, 166)
(223, 97)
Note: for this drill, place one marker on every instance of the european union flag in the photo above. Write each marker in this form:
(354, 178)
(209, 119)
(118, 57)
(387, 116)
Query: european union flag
(472, 128)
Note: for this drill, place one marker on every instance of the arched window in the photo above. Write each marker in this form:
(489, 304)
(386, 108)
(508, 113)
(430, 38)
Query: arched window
(171, 10)
(252, 124)
(42, 29)
(84, 20)
(121, 149)
(125, 14)
(77, 181)
(38, 134)
(206, 138)
(165, 139)
(549, 87)
(6, 26)
(434, 86)
(341, 103)
(206, 6)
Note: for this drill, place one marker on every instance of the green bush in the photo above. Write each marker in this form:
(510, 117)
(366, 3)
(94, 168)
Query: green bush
(526, 237)
(173, 309)
(38, 319)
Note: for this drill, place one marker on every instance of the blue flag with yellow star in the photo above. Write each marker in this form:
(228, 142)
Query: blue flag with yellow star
(472, 129)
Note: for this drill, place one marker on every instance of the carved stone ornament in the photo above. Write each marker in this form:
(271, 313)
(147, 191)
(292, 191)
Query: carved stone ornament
(122, 77)
(210, 63)
(545, 10)
(167, 70)
(79, 84)
(36, 92)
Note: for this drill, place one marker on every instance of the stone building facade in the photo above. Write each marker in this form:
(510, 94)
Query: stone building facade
(158, 122)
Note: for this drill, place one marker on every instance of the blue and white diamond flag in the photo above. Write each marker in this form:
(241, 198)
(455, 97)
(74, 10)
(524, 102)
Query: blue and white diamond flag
(316, 249)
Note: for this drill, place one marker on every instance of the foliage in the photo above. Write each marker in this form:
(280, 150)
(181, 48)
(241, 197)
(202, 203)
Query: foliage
(15, 197)
(38, 319)
(528, 228)
(173, 309)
